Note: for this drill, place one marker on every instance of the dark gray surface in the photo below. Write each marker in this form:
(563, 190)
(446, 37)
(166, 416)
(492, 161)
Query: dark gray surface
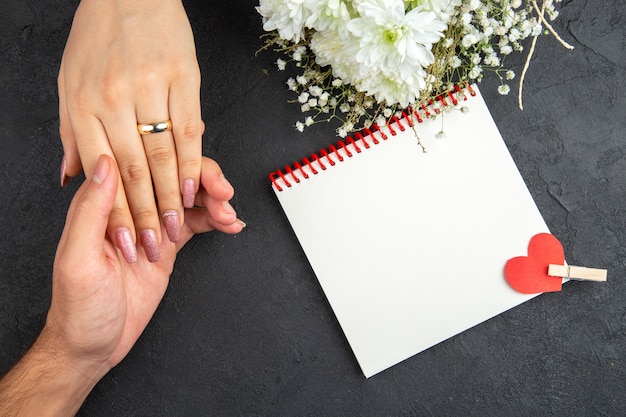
(244, 328)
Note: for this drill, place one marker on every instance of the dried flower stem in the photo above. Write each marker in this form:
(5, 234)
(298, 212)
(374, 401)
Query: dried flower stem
(550, 28)
(540, 15)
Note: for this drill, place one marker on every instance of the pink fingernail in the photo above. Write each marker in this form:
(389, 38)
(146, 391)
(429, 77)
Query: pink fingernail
(102, 170)
(189, 192)
(170, 219)
(124, 240)
(64, 178)
(150, 245)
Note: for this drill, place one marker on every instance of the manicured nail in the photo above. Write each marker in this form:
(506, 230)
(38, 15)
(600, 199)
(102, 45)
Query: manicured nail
(64, 178)
(170, 219)
(150, 244)
(189, 192)
(101, 171)
(124, 240)
(241, 222)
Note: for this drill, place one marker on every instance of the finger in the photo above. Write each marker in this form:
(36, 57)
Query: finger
(93, 144)
(213, 182)
(129, 152)
(89, 213)
(184, 105)
(198, 221)
(220, 211)
(161, 152)
(70, 165)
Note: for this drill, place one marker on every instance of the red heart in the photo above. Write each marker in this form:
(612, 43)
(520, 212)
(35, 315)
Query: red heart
(529, 274)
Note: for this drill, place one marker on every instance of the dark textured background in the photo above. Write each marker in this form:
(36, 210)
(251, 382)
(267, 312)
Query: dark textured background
(244, 328)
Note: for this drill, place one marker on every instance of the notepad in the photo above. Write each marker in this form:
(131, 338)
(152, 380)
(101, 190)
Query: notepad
(409, 245)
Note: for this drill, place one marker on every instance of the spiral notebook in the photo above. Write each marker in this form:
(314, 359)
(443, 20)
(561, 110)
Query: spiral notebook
(409, 238)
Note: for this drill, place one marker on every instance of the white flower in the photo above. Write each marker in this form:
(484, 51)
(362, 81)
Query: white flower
(315, 90)
(292, 84)
(308, 121)
(304, 97)
(470, 39)
(281, 64)
(297, 55)
(475, 72)
(504, 89)
(300, 126)
(388, 37)
(506, 49)
(330, 49)
(466, 18)
(393, 48)
(510, 75)
(445, 7)
(285, 16)
(456, 62)
(492, 60)
(327, 14)
(395, 86)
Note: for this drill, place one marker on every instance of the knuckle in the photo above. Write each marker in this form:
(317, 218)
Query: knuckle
(190, 164)
(147, 78)
(119, 215)
(83, 208)
(188, 131)
(169, 199)
(143, 216)
(132, 174)
(110, 99)
(112, 91)
(160, 155)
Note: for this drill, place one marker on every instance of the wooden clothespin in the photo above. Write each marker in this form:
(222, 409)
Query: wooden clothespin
(544, 268)
(577, 273)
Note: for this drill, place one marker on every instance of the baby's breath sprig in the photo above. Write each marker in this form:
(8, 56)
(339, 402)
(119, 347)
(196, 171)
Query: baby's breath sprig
(357, 69)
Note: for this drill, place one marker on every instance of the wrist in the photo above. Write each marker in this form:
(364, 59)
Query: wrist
(131, 7)
(85, 371)
(47, 382)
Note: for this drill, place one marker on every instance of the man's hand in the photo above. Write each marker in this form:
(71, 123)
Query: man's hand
(100, 303)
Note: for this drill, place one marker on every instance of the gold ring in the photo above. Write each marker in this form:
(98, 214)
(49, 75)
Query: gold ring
(157, 127)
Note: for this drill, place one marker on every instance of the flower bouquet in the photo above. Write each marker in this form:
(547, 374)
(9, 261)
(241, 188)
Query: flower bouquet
(363, 61)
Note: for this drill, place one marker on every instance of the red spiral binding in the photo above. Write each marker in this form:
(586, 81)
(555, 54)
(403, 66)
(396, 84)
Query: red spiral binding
(369, 134)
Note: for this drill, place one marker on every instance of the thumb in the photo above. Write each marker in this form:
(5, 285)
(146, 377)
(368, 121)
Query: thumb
(89, 215)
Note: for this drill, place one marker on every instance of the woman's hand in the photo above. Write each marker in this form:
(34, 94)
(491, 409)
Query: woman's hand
(130, 62)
